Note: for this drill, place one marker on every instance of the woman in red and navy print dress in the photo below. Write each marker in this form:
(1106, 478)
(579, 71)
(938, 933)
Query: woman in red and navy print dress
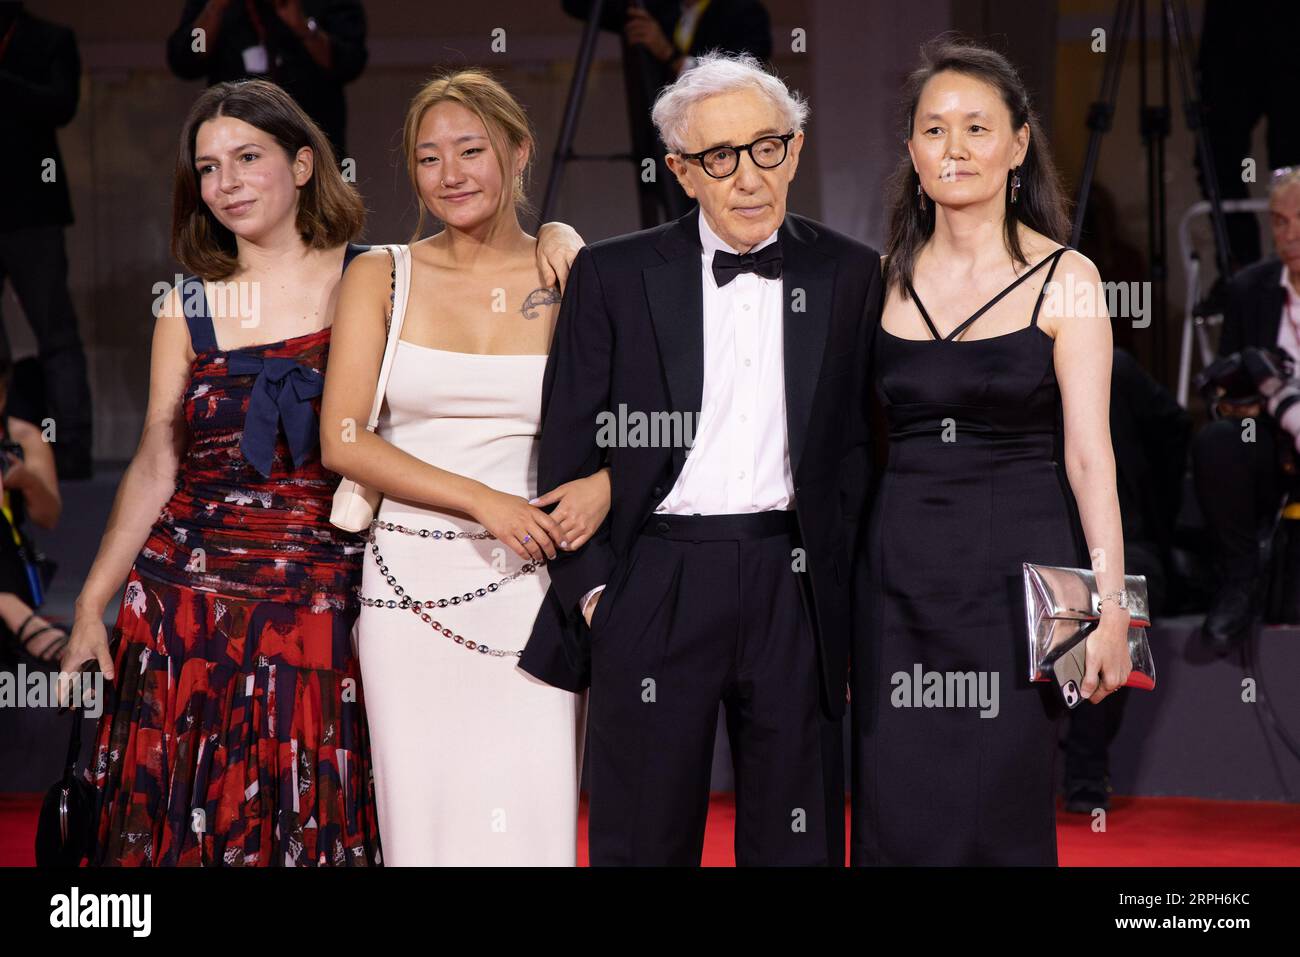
(233, 730)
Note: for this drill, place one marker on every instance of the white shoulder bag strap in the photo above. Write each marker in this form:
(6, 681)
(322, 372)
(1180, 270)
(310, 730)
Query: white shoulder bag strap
(401, 292)
(354, 504)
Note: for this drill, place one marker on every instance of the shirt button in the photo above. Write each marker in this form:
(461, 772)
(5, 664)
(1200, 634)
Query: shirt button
(746, 307)
(746, 362)
(742, 474)
(742, 417)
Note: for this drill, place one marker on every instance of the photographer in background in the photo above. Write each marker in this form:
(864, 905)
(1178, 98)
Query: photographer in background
(311, 48)
(1240, 473)
(672, 33)
(29, 489)
(40, 83)
(1249, 72)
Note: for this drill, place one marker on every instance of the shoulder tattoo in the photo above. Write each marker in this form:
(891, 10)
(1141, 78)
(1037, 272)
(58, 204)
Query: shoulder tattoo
(541, 296)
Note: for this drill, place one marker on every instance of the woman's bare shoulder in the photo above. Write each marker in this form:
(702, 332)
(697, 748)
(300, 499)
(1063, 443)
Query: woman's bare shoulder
(374, 262)
(1075, 263)
(368, 272)
(1036, 247)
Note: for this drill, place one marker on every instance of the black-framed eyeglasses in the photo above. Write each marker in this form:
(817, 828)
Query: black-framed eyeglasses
(720, 162)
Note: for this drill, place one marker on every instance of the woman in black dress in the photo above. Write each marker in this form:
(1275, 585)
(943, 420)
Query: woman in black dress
(986, 390)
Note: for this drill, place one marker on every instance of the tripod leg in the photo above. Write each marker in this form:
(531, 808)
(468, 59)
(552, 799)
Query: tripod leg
(1155, 127)
(572, 107)
(1102, 110)
(1176, 13)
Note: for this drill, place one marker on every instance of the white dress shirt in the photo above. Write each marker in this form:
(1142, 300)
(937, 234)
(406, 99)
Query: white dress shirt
(1288, 340)
(739, 459)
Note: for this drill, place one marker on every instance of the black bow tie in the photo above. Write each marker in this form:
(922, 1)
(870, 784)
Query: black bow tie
(766, 263)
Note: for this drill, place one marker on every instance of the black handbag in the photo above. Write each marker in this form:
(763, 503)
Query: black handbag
(65, 831)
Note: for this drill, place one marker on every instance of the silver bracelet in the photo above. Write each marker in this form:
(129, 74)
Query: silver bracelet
(1120, 598)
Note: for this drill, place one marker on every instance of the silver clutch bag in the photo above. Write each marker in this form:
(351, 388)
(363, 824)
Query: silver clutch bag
(1061, 611)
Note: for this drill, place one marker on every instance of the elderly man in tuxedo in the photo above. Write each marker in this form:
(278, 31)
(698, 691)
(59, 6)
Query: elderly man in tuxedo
(721, 574)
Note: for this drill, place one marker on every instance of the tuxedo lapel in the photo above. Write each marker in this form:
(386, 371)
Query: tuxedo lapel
(675, 294)
(809, 285)
(676, 297)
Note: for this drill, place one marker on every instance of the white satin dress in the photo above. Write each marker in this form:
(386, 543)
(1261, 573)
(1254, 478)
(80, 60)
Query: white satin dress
(476, 762)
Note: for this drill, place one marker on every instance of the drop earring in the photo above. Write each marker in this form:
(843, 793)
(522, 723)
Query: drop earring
(920, 198)
(1015, 185)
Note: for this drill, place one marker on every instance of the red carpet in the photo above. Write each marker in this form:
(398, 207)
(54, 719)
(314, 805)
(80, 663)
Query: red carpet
(1140, 832)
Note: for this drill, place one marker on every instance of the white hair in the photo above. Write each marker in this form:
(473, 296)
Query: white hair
(715, 73)
(1286, 176)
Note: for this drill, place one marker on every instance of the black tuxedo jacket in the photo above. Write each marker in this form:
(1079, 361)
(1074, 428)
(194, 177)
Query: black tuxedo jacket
(1252, 314)
(631, 333)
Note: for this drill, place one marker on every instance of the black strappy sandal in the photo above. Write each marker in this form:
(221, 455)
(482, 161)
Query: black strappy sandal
(55, 647)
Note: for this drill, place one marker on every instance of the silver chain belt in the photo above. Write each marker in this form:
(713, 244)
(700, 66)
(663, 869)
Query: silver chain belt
(427, 533)
(417, 607)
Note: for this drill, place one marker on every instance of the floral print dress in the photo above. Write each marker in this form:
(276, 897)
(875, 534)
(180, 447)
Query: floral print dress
(234, 732)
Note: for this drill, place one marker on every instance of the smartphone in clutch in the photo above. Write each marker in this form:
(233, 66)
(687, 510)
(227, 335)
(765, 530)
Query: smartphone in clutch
(1067, 666)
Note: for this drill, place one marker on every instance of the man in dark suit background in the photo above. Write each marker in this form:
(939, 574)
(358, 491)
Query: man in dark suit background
(1239, 483)
(721, 574)
(671, 34)
(40, 84)
(312, 48)
(1248, 72)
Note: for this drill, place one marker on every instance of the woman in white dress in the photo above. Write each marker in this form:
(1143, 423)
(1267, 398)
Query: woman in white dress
(476, 762)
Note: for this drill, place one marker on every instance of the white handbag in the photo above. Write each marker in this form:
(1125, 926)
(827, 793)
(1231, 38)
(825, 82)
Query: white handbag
(354, 504)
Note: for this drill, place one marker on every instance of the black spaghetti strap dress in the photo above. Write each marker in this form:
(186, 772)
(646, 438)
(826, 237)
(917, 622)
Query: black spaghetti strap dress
(953, 746)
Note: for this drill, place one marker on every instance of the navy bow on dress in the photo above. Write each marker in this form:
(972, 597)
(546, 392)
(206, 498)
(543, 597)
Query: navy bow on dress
(282, 393)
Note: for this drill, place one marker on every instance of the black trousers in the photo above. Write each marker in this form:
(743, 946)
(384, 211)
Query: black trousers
(35, 261)
(708, 610)
(1239, 486)
(1093, 728)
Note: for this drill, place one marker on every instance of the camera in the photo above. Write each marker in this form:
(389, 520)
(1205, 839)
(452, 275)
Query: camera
(1251, 381)
(9, 452)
